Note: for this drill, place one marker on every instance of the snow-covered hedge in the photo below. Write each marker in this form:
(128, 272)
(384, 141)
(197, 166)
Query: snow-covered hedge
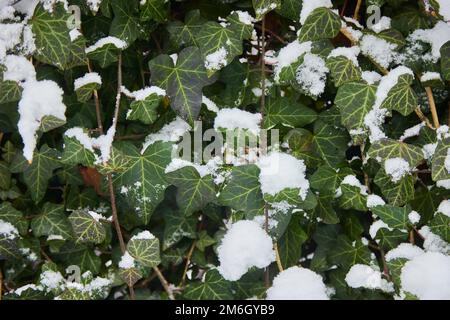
(348, 200)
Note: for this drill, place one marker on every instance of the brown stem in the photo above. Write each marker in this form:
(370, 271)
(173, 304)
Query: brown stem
(411, 237)
(432, 104)
(358, 7)
(278, 258)
(343, 8)
(164, 283)
(97, 104)
(188, 261)
(423, 118)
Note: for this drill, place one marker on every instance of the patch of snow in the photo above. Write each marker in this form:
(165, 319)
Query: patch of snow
(171, 132)
(350, 53)
(377, 225)
(383, 24)
(235, 118)
(8, 231)
(144, 235)
(297, 283)
(436, 37)
(280, 171)
(427, 276)
(210, 105)
(444, 208)
(371, 77)
(311, 75)
(18, 69)
(412, 132)
(118, 43)
(245, 245)
(308, 6)
(429, 75)
(404, 251)
(290, 54)
(127, 261)
(396, 168)
(414, 217)
(91, 77)
(374, 200)
(365, 276)
(380, 50)
(217, 59)
(353, 181)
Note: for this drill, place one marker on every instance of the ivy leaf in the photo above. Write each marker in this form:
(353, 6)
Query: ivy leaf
(9, 214)
(145, 110)
(355, 100)
(389, 148)
(49, 123)
(193, 191)
(204, 241)
(242, 30)
(389, 240)
(401, 97)
(130, 275)
(216, 40)
(51, 35)
(262, 7)
(343, 70)
(183, 81)
(184, 34)
(86, 228)
(37, 174)
(329, 142)
(8, 248)
(324, 209)
(445, 60)
(243, 191)
(347, 253)
(11, 91)
(84, 93)
(440, 225)
(290, 9)
(322, 23)
(394, 217)
(397, 194)
(145, 251)
(286, 111)
(154, 10)
(105, 55)
(438, 167)
(352, 198)
(289, 245)
(326, 178)
(75, 153)
(144, 177)
(213, 288)
(125, 24)
(177, 226)
(52, 221)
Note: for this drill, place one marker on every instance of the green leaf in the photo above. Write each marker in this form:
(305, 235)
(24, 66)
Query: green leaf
(193, 191)
(50, 122)
(394, 217)
(243, 191)
(9, 214)
(322, 23)
(213, 288)
(324, 209)
(215, 39)
(178, 226)
(145, 110)
(51, 36)
(352, 198)
(184, 34)
(5, 175)
(52, 221)
(8, 248)
(398, 193)
(144, 177)
(440, 225)
(38, 173)
(154, 10)
(438, 168)
(290, 244)
(262, 7)
(145, 251)
(84, 93)
(389, 240)
(242, 30)
(329, 143)
(130, 275)
(290, 9)
(125, 24)
(11, 91)
(389, 148)
(288, 112)
(401, 97)
(355, 100)
(346, 253)
(343, 70)
(326, 178)
(75, 153)
(105, 55)
(86, 228)
(204, 241)
(445, 60)
(183, 81)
